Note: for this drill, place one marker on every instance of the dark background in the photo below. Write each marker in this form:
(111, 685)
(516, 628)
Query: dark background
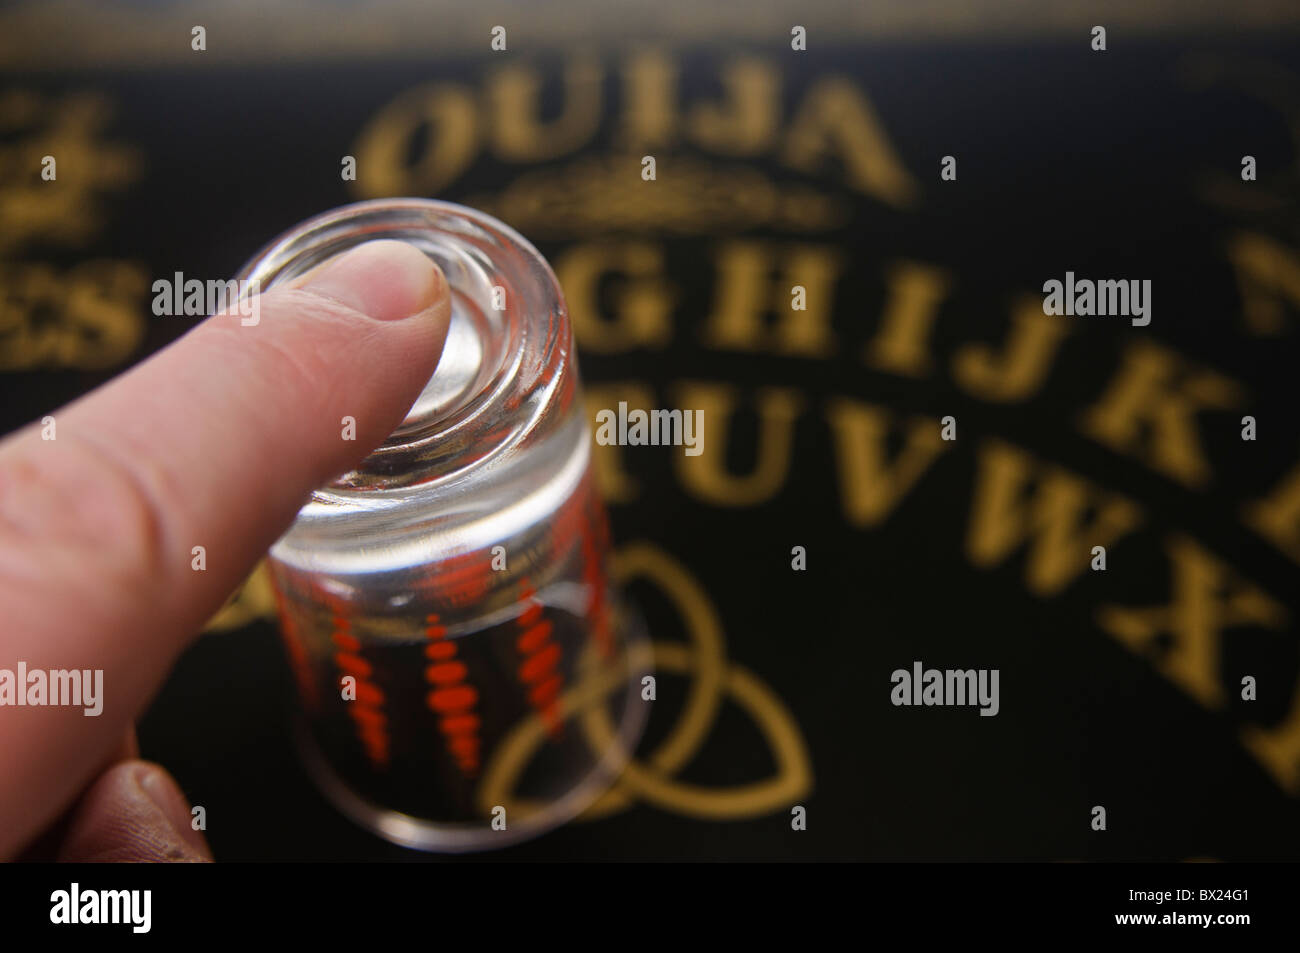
(1114, 164)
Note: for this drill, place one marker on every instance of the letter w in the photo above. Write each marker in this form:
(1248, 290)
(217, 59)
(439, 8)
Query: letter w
(1007, 513)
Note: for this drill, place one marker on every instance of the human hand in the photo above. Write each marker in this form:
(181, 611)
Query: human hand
(215, 441)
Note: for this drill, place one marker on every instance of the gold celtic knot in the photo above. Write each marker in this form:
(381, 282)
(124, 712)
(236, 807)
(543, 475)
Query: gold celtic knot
(653, 780)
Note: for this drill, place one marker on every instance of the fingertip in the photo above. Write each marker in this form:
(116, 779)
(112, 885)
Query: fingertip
(386, 280)
(133, 812)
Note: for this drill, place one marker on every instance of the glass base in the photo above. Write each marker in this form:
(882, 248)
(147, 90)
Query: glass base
(420, 833)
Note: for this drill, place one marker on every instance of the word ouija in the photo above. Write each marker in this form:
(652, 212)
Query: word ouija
(56, 688)
(1106, 297)
(950, 687)
(103, 906)
(829, 124)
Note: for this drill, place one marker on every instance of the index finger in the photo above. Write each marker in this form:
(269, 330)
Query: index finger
(214, 442)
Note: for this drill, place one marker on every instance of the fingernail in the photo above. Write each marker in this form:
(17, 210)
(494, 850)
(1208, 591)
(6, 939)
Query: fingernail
(167, 797)
(387, 280)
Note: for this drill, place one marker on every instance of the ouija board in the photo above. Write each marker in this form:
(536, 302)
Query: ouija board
(916, 468)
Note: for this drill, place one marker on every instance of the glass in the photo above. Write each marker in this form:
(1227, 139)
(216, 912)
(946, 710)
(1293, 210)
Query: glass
(455, 585)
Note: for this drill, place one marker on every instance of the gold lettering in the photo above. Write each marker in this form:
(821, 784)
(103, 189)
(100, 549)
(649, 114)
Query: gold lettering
(1268, 276)
(746, 292)
(102, 311)
(706, 475)
(650, 110)
(1278, 749)
(914, 294)
(871, 485)
(69, 128)
(446, 112)
(1020, 369)
(642, 298)
(1206, 597)
(837, 120)
(28, 290)
(1277, 518)
(87, 318)
(1149, 411)
(1050, 521)
(520, 134)
(746, 122)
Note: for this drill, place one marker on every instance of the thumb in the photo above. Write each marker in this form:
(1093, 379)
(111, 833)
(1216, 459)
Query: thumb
(216, 441)
(134, 811)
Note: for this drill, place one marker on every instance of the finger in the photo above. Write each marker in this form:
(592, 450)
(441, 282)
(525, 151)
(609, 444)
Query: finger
(214, 442)
(134, 811)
